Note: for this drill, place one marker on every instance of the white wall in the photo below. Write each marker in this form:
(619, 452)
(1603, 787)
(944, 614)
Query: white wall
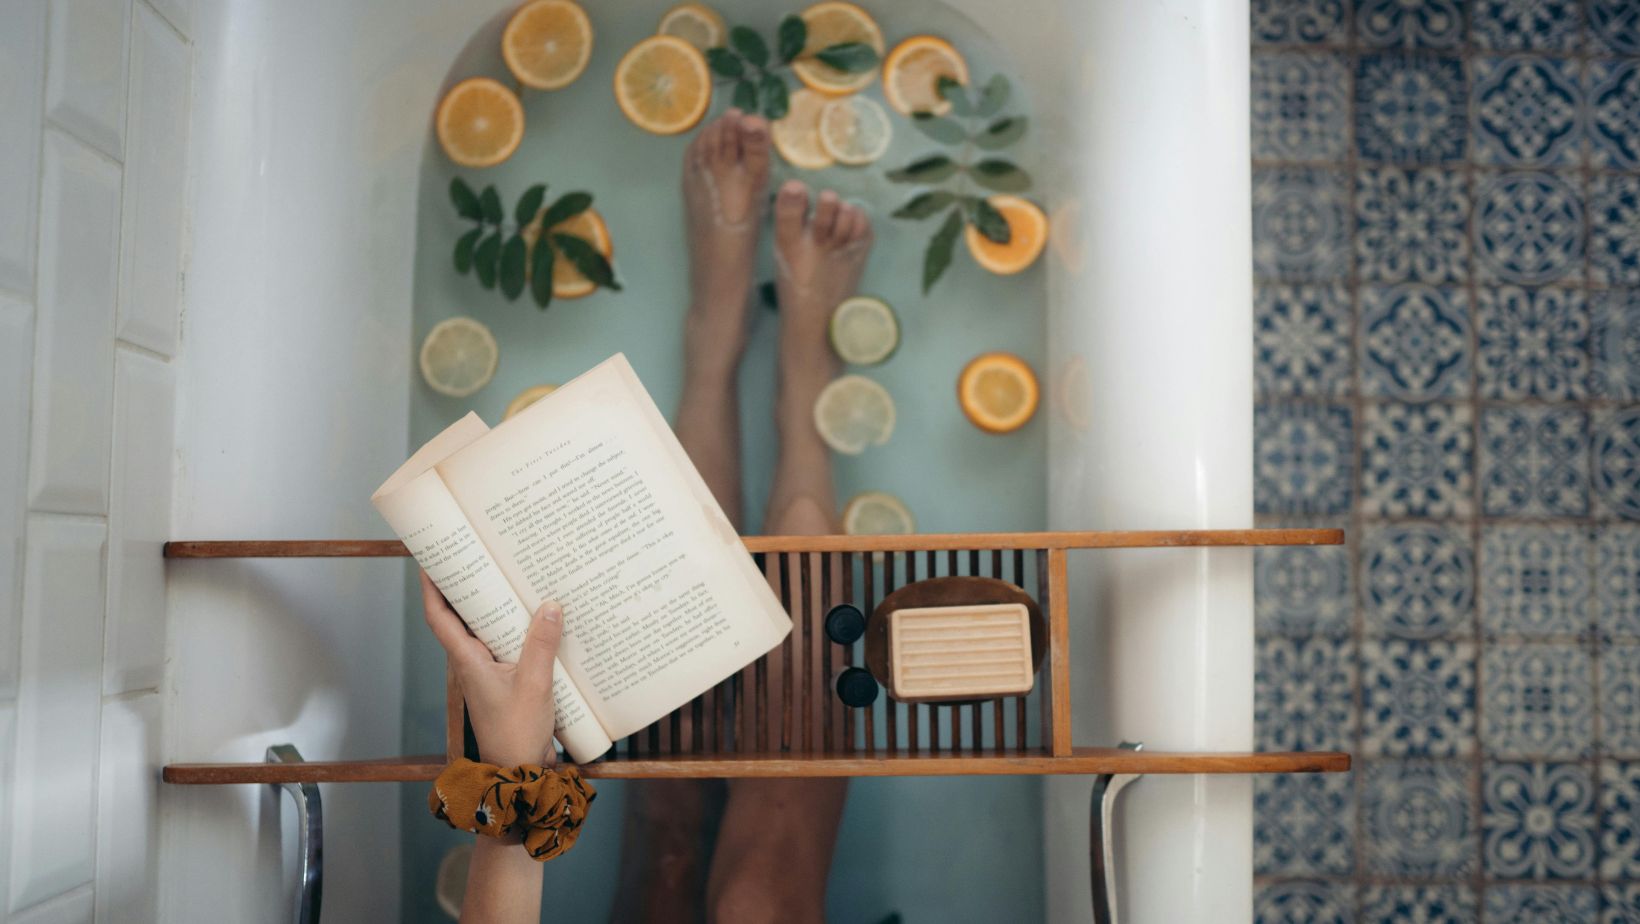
(94, 101)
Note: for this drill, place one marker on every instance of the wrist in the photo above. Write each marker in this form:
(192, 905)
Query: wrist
(513, 757)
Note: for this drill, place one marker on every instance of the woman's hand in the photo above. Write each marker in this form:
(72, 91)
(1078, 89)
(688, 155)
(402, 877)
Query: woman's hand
(510, 704)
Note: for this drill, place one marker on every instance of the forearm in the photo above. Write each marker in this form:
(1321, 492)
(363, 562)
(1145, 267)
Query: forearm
(503, 884)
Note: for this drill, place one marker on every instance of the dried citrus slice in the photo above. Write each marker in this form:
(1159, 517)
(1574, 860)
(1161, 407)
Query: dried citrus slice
(854, 412)
(998, 392)
(876, 513)
(912, 71)
(479, 122)
(695, 23)
(547, 43)
(458, 357)
(663, 85)
(835, 23)
(526, 398)
(796, 135)
(864, 331)
(1027, 232)
(567, 280)
(854, 130)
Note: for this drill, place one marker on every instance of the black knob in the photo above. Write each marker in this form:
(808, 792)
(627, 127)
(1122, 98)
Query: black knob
(856, 687)
(845, 624)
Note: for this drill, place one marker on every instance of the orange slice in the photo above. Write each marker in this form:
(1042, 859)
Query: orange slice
(547, 43)
(797, 135)
(526, 398)
(912, 71)
(834, 23)
(479, 122)
(663, 85)
(695, 23)
(998, 392)
(567, 281)
(1027, 232)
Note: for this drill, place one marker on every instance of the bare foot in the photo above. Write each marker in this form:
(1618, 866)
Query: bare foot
(725, 182)
(819, 255)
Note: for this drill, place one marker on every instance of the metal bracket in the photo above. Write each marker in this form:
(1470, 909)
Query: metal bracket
(1102, 838)
(310, 828)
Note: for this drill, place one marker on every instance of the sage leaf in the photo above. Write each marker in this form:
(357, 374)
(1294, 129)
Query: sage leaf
(938, 255)
(954, 93)
(989, 222)
(485, 258)
(724, 62)
(1001, 133)
(943, 130)
(513, 255)
(776, 103)
(529, 203)
(924, 204)
(792, 35)
(587, 259)
(464, 249)
(491, 204)
(568, 206)
(745, 95)
(993, 97)
(466, 202)
(541, 274)
(750, 45)
(930, 169)
(849, 57)
(1001, 175)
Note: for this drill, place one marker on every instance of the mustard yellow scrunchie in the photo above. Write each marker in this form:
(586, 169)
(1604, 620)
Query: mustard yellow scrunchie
(546, 805)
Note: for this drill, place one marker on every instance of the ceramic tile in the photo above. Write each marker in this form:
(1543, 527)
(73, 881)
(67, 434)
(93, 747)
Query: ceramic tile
(1616, 441)
(1311, 21)
(139, 522)
(1526, 112)
(1535, 580)
(1513, 25)
(1414, 341)
(1302, 457)
(1617, 580)
(1424, 904)
(86, 77)
(128, 811)
(1540, 904)
(1300, 111)
(1538, 821)
(1532, 343)
(1396, 23)
(1614, 230)
(74, 329)
(1620, 700)
(1614, 26)
(1411, 225)
(1299, 230)
(151, 239)
(1614, 344)
(1528, 228)
(1537, 700)
(1620, 903)
(1417, 698)
(1614, 113)
(1418, 460)
(1300, 590)
(22, 69)
(53, 804)
(1301, 693)
(1419, 818)
(1304, 901)
(1410, 109)
(1301, 340)
(1417, 580)
(16, 368)
(1534, 461)
(1305, 824)
(1620, 819)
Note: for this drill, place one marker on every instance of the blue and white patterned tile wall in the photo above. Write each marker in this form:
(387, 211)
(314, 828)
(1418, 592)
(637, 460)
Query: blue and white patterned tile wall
(1446, 220)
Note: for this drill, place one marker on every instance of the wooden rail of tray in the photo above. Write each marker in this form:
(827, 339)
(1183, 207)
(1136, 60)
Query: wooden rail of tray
(779, 717)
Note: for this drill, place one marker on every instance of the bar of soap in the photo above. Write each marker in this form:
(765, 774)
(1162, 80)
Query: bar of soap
(943, 653)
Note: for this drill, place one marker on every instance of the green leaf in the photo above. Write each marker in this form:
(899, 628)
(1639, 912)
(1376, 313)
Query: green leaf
(745, 95)
(924, 204)
(945, 131)
(930, 169)
(464, 249)
(849, 57)
(568, 206)
(529, 203)
(491, 204)
(587, 259)
(750, 45)
(1001, 133)
(767, 295)
(938, 255)
(989, 222)
(513, 255)
(993, 97)
(775, 101)
(485, 257)
(1001, 175)
(541, 274)
(792, 35)
(724, 62)
(465, 201)
(954, 93)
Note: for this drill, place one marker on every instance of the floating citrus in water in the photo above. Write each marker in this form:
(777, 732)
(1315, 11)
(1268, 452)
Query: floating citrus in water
(875, 513)
(854, 412)
(912, 71)
(998, 392)
(1027, 232)
(527, 397)
(695, 23)
(797, 134)
(864, 331)
(663, 85)
(567, 280)
(458, 357)
(479, 122)
(836, 23)
(854, 130)
(547, 43)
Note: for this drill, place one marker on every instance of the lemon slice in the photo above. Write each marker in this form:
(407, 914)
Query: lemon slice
(527, 397)
(854, 412)
(796, 135)
(451, 884)
(875, 513)
(695, 23)
(854, 130)
(864, 331)
(547, 43)
(458, 357)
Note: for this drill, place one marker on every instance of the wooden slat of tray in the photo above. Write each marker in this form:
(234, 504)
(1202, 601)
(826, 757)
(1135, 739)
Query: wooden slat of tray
(1108, 539)
(962, 763)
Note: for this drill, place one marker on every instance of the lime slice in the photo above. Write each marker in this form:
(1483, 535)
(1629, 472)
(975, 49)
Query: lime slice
(875, 513)
(451, 883)
(528, 397)
(458, 357)
(854, 412)
(864, 331)
(855, 130)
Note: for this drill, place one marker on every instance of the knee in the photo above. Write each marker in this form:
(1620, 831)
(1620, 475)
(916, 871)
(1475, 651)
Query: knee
(749, 898)
(802, 516)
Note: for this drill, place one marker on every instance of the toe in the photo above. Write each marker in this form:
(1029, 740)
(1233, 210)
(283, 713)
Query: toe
(825, 217)
(859, 229)
(754, 144)
(789, 208)
(729, 147)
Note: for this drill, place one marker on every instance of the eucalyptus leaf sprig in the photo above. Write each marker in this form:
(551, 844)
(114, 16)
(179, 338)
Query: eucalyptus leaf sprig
(973, 126)
(759, 84)
(500, 254)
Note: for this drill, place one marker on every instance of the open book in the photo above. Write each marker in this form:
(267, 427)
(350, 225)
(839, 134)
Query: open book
(587, 498)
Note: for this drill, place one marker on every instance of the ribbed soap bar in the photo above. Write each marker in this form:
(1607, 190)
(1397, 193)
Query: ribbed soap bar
(942, 653)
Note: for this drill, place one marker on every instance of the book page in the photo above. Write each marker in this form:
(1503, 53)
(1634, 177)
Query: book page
(587, 498)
